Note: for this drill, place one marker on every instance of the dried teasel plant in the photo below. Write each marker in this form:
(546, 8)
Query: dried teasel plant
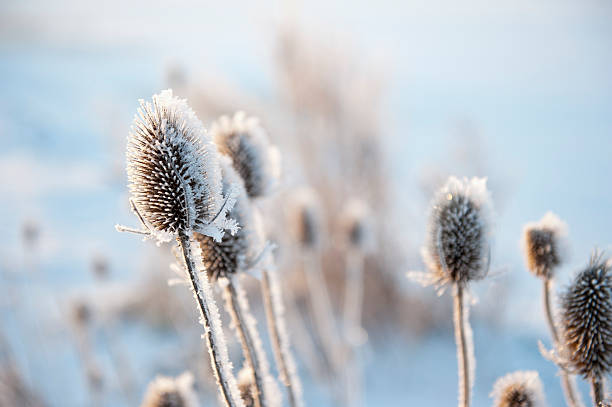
(246, 144)
(224, 261)
(543, 247)
(586, 324)
(175, 184)
(519, 389)
(171, 392)
(457, 252)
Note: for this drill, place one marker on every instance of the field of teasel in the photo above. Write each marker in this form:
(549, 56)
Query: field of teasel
(305, 204)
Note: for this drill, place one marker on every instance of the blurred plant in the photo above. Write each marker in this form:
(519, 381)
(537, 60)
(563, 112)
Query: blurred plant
(171, 392)
(519, 389)
(245, 385)
(224, 261)
(543, 249)
(458, 252)
(257, 162)
(586, 324)
(175, 183)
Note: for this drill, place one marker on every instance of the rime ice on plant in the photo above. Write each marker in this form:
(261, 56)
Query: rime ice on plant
(234, 252)
(173, 170)
(244, 140)
(543, 245)
(457, 248)
(586, 320)
(171, 392)
(519, 389)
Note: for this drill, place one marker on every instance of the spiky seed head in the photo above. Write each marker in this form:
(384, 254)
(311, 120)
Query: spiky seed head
(306, 218)
(519, 389)
(244, 140)
(586, 319)
(245, 386)
(543, 245)
(233, 252)
(173, 169)
(457, 248)
(356, 225)
(171, 392)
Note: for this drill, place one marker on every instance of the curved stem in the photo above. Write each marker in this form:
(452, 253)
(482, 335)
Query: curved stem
(597, 389)
(246, 340)
(279, 338)
(463, 359)
(210, 333)
(566, 381)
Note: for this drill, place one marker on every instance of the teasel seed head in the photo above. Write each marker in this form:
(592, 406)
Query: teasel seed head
(458, 248)
(173, 170)
(171, 392)
(245, 386)
(356, 225)
(244, 140)
(543, 244)
(586, 319)
(234, 252)
(519, 389)
(306, 218)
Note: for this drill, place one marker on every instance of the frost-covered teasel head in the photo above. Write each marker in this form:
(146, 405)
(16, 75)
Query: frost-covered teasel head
(457, 248)
(171, 392)
(543, 245)
(244, 140)
(356, 225)
(518, 389)
(305, 218)
(173, 170)
(586, 319)
(235, 252)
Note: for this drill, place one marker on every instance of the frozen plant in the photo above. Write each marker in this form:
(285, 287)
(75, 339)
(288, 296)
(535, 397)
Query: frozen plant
(171, 392)
(586, 324)
(519, 389)
(224, 261)
(175, 184)
(457, 252)
(246, 144)
(543, 246)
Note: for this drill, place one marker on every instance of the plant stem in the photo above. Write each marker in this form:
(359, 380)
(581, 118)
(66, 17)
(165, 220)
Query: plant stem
(210, 333)
(246, 340)
(463, 359)
(597, 388)
(566, 381)
(353, 300)
(278, 333)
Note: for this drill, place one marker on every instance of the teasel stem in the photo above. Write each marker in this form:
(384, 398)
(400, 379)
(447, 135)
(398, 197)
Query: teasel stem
(212, 342)
(275, 315)
(236, 311)
(597, 387)
(567, 383)
(463, 351)
(353, 303)
(322, 311)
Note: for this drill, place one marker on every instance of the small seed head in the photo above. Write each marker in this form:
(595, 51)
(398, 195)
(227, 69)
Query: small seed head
(356, 225)
(586, 319)
(519, 389)
(457, 248)
(253, 157)
(306, 218)
(542, 244)
(245, 386)
(171, 392)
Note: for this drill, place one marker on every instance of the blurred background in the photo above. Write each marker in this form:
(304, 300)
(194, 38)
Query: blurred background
(380, 102)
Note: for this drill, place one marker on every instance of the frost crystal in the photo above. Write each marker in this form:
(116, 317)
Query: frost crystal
(171, 392)
(246, 143)
(519, 389)
(234, 252)
(457, 248)
(542, 243)
(173, 170)
(586, 320)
